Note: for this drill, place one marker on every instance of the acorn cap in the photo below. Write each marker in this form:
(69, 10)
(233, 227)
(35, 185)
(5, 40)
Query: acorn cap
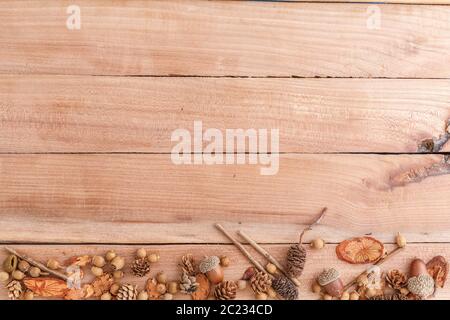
(209, 263)
(422, 285)
(328, 276)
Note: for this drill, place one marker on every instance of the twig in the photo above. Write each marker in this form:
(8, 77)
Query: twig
(37, 264)
(378, 263)
(241, 247)
(308, 228)
(267, 255)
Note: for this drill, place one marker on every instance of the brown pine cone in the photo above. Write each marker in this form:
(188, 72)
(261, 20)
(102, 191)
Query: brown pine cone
(285, 288)
(226, 290)
(140, 267)
(296, 258)
(15, 290)
(396, 279)
(127, 292)
(260, 282)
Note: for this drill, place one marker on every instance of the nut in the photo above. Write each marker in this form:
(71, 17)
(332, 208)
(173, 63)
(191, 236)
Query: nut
(106, 296)
(23, 266)
(224, 261)
(153, 258)
(161, 277)
(53, 264)
(18, 275)
(28, 295)
(172, 287)
(401, 240)
(167, 296)
(317, 243)
(114, 288)
(96, 271)
(143, 295)
(118, 274)
(141, 253)
(98, 261)
(4, 276)
(34, 272)
(118, 263)
(110, 255)
(271, 268)
(161, 288)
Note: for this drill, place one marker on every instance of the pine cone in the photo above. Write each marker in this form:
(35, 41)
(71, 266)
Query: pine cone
(15, 290)
(260, 282)
(396, 279)
(127, 292)
(296, 258)
(226, 290)
(188, 284)
(395, 296)
(188, 265)
(140, 267)
(285, 288)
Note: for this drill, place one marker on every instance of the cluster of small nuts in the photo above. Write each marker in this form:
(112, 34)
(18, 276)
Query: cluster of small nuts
(111, 259)
(18, 269)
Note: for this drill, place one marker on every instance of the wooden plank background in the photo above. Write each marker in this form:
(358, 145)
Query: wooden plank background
(86, 117)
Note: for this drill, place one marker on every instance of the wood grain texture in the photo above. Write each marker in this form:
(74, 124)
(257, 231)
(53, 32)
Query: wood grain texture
(171, 255)
(216, 38)
(146, 198)
(122, 114)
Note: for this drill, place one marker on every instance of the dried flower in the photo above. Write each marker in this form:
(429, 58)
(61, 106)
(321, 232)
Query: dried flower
(438, 269)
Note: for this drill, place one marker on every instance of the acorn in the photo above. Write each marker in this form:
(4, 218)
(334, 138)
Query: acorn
(118, 263)
(110, 255)
(53, 264)
(98, 261)
(18, 275)
(23, 266)
(141, 253)
(153, 258)
(330, 280)
(10, 263)
(420, 282)
(35, 272)
(211, 267)
(4, 276)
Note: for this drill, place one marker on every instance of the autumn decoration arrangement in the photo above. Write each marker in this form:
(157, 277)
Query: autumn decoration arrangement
(26, 278)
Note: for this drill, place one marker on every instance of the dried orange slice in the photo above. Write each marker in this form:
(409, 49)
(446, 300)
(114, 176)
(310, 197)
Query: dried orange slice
(360, 250)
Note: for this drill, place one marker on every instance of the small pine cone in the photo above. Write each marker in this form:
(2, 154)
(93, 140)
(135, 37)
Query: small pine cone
(296, 258)
(260, 282)
(396, 279)
(140, 267)
(188, 284)
(15, 290)
(188, 265)
(226, 290)
(127, 292)
(285, 288)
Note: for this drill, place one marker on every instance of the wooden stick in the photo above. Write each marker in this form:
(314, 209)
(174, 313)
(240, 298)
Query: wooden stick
(241, 247)
(378, 263)
(37, 264)
(317, 221)
(267, 255)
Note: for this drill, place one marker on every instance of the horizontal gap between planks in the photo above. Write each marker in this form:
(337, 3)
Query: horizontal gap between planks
(7, 243)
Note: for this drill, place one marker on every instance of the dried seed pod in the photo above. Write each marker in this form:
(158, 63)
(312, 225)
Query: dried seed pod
(18, 275)
(354, 296)
(114, 288)
(110, 255)
(96, 271)
(118, 274)
(153, 258)
(161, 277)
(345, 296)
(285, 288)
(172, 287)
(10, 263)
(53, 264)
(23, 266)
(317, 244)
(224, 261)
(438, 269)
(211, 267)
(330, 280)
(98, 261)
(118, 263)
(161, 288)
(35, 272)
(401, 240)
(4, 276)
(141, 253)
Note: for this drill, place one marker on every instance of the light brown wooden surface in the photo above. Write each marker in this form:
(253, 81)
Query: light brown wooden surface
(116, 114)
(146, 198)
(171, 255)
(216, 38)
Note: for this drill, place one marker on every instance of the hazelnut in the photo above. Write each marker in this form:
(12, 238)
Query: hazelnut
(141, 253)
(167, 296)
(153, 258)
(316, 288)
(261, 296)
(118, 274)
(110, 255)
(211, 267)
(98, 261)
(114, 288)
(96, 271)
(118, 263)
(271, 268)
(143, 295)
(23, 266)
(241, 284)
(4, 276)
(34, 272)
(161, 277)
(172, 287)
(18, 275)
(345, 296)
(161, 288)
(271, 293)
(53, 264)
(28, 295)
(330, 280)
(317, 243)
(401, 240)
(224, 261)
(106, 296)
(327, 297)
(354, 296)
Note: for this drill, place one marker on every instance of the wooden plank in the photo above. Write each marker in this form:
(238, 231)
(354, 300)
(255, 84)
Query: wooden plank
(171, 254)
(146, 198)
(117, 114)
(216, 38)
